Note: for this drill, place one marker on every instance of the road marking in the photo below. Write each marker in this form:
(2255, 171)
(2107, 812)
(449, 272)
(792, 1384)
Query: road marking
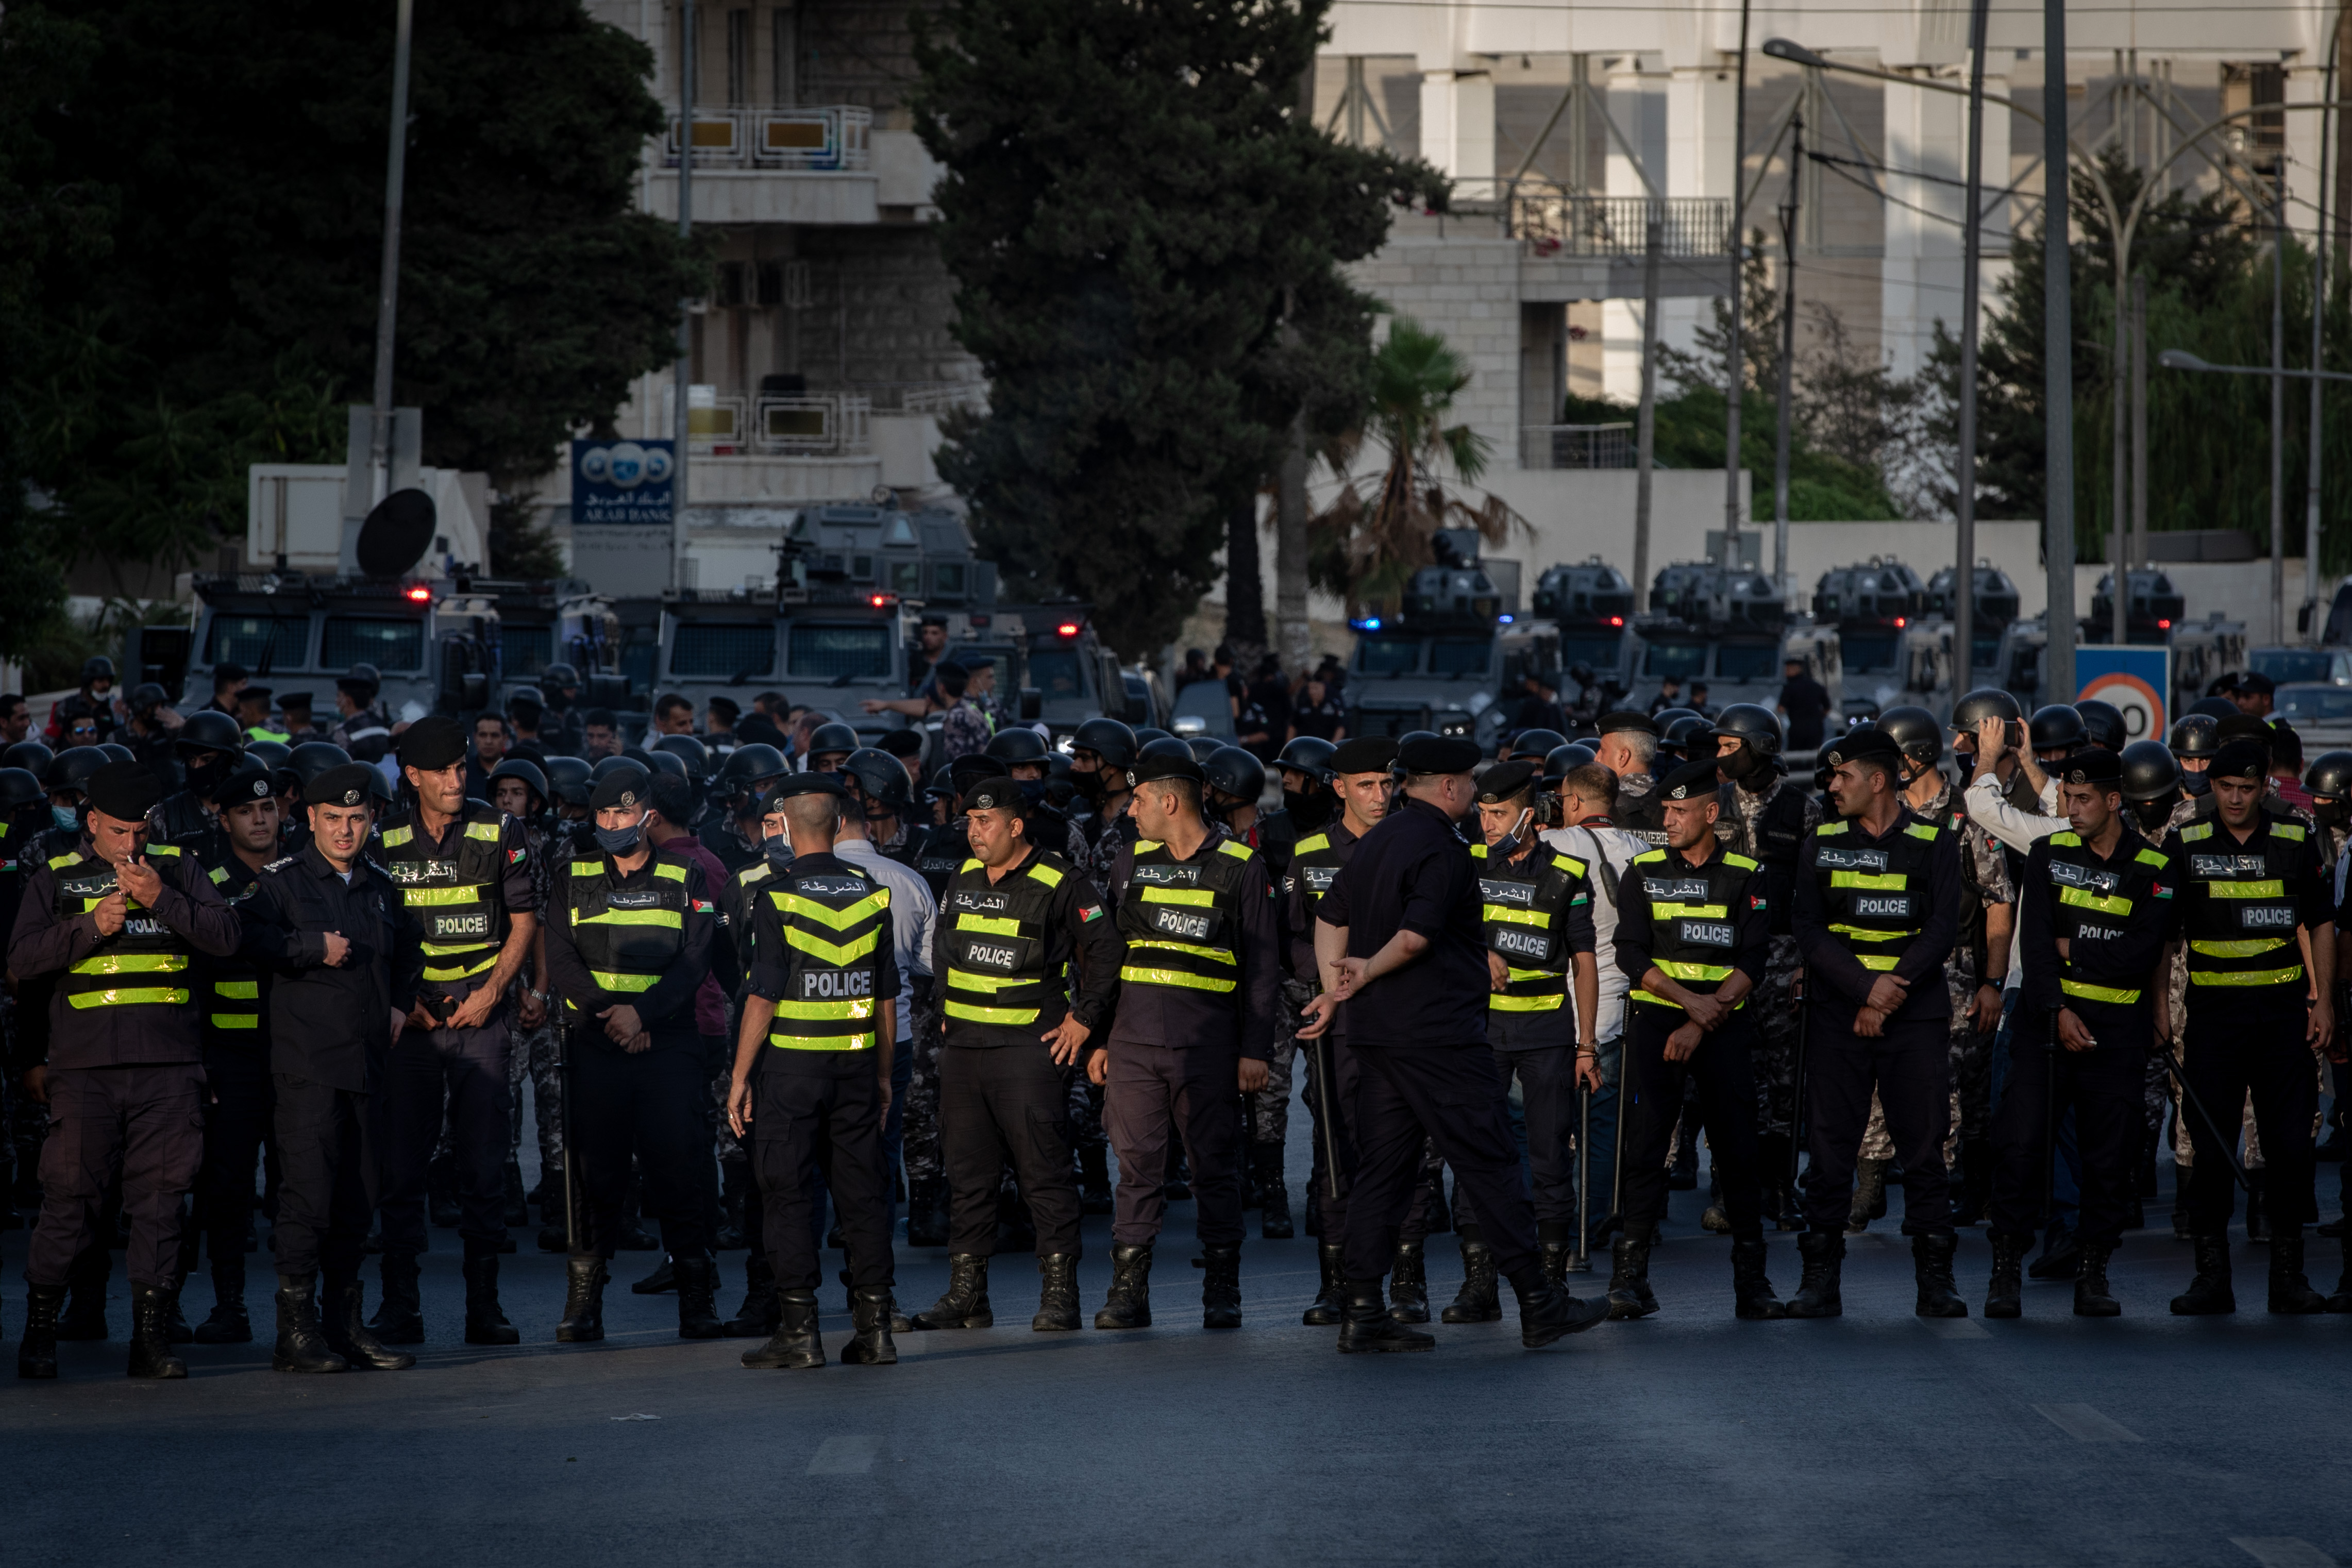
(2085, 1425)
(1956, 1328)
(2283, 1551)
(640, 1415)
(844, 1456)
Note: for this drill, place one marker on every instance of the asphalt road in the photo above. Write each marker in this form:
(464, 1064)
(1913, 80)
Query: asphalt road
(1689, 1438)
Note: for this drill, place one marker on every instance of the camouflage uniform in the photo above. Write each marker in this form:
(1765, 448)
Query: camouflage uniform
(1774, 1010)
(535, 1053)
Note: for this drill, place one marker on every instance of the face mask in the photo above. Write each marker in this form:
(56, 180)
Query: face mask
(620, 841)
(778, 851)
(65, 816)
(1308, 811)
(2330, 813)
(1507, 845)
(1739, 764)
(1088, 785)
(2152, 814)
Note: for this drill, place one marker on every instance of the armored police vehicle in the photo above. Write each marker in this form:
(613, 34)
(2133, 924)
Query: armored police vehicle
(1591, 605)
(1727, 628)
(1996, 606)
(1452, 648)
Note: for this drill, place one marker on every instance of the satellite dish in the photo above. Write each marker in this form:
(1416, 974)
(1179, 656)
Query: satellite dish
(397, 533)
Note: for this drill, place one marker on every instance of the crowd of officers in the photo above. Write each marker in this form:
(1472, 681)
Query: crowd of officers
(1548, 974)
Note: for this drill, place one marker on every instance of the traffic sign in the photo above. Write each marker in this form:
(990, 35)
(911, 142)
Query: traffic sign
(2135, 680)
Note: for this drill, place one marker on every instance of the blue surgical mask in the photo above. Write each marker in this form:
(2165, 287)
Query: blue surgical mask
(620, 841)
(65, 816)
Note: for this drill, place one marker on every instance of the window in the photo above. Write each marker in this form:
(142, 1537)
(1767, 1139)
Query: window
(1456, 657)
(1597, 650)
(948, 577)
(861, 653)
(2320, 704)
(1868, 650)
(1680, 660)
(386, 644)
(2285, 664)
(1746, 661)
(905, 576)
(1056, 672)
(1388, 655)
(710, 650)
(525, 650)
(259, 641)
(1984, 652)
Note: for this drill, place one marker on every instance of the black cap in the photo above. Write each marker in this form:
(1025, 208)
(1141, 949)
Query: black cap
(126, 791)
(997, 793)
(796, 784)
(1365, 754)
(1866, 744)
(432, 743)
(2240, 760)
(2254, 682)
(1505, 779)
(352, 784)
(625, 787)
(1153, 769)
(1691, 781)
(294, 699)
(1436, 754)
(1626, 718)
(247, 783)
(2094, 765)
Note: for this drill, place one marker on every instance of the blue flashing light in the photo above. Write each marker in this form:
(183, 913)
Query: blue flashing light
(1504, 620)
(1368, 623)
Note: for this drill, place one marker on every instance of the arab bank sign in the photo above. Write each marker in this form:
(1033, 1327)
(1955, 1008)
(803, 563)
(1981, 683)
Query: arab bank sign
(622, 482)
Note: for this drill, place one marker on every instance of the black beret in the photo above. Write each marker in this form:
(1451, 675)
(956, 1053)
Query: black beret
(125, 791)
(432, 742)
(253, 694)
(350, 784)
(2242, 727)
(796, 784)
(1000, 792)
(2097, 766)
(295, 699)
(2238, 760)
(1626, 718)
(726, 708)
(1154, 769)
(1365, 754)
(1691, 781)
(1505, 779)
(1436, 754)
(625, 787)
(1867, 744)
(250, 783)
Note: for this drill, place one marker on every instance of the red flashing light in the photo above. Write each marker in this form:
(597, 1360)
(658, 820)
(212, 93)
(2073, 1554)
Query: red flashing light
(1900, 623)
(1616, 620)
(1067, 628)
(421, 594)
(878, 600)
(2164, 625)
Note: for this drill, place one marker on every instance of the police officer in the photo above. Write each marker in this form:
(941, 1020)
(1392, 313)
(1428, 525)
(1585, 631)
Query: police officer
(1198, 998)
(732, 834)
(1537, 905)
(1694, 924)
(1629, 748)
(2253, 902)
(118, 922)
(820, 1019)
(364, 730)
(1878, 895)
(1017, 1023)
(628, 943)
(338, 955)
(828, 744)
(1308, 806)
(1101, 751)
(1399, 932)
(464, 872)
(210, 748)
(238, 1103)
(737, 902)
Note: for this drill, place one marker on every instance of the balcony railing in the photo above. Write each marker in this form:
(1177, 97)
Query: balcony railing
(812, 424)
(1556, 220)
(834, 139)
(1577, 445)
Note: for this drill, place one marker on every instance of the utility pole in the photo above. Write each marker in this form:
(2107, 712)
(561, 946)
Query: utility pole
(2313, 626)
(2118, 389)
(1964, 471)
(2058, 369)
(2140, 418)
(1788, 356)
(2278, 412)
(1645, 426)
(395, 175)
(682, 430)
(1736, 372)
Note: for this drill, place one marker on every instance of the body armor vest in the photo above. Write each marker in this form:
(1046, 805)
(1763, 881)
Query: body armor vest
(1693, 921)
(146, 964)
(1643, 816)
(2243, 911)
(2090, 897)
(944, 853)
(1778, 833)
(457, 901)
(1521, 904)
(232, 987)
(997, 971)
(1875, 896)
(1183, 920)
(836, 923)
(626, 935)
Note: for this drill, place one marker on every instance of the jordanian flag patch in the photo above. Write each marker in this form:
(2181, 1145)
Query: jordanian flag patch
(702, 906)
(1093, 914)
(514, 857)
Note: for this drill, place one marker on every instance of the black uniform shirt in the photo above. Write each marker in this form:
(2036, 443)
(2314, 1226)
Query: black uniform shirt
(1842, 983)
(1412, 873)
(772, 970)
(1180, 1016)
(666, 1008)
(332, 1023)
(1079, 933)
(2128, 949)
(1636, 926)
(41, 947)
(1509, 1029)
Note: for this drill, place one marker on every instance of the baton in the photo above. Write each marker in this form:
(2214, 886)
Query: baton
(1797, 1078)
(1617, 1143)
(1325, 1064)
(2050, 1127)
(1584, 1180)
(2228, 1146)
(563, 1110)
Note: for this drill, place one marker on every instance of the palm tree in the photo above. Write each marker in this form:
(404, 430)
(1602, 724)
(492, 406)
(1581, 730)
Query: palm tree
(1375, 532)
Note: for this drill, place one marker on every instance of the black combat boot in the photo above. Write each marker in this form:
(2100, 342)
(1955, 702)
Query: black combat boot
(518, 1204)
(2004, 1296)
(1331, 1298)
(1751, 1291)
(1556, 1253)
(302, 1347)
(1370, 1327)
(2208, 1293)
(1546, 1315)
(899, 1321)
(1274, 1191)
(2291, 1292)
(697, 1292)
(2341, 1301)
(1480, 1300)
(583, 1300)
(1221, 1285)
(926, 1212)
(756, 1318)
(1128, 1304)
(343, 1321)
(485, 1321)
(151, 1344)
(660, 1282)
(965, 1305)
(1057, 1293)
(228, 1324)
(400, 1316)
(795, 1344)
(1630, 1295)
(2093, 1299)
(37, 1352)
(1409, 1284)
(441, 1191)
(1817, 1291)
(1931, 1268)
(869, 1322)
(1869, 1196)
(1094, 1178)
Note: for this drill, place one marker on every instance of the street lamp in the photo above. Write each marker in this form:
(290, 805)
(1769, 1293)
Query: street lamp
(2182, 360)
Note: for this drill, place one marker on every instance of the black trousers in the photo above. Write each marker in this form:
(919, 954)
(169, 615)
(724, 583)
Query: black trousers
(2233, 1047)
(1910, 1066)
(330, 1152)
(2106, 1088)
(1547, 1082)
(1447, 1094)
(1721, 1073)
(1000, 1103)
(1150, 1090)
(651, 1106)
(240, 1102)
(1347, 1079)
(466, 1068)
(807, 1121)
(140, 1126)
